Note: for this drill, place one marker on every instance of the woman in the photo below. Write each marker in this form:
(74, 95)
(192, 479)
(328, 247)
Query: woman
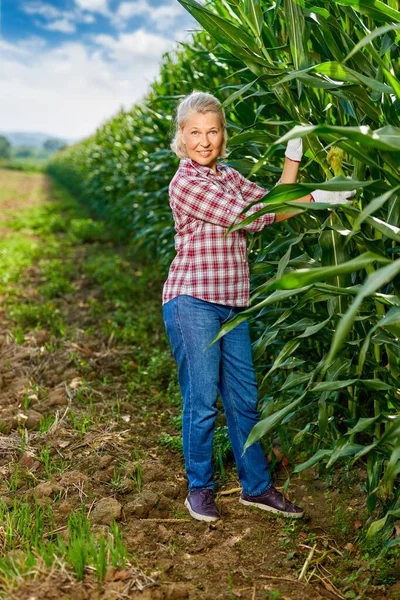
(208, 284)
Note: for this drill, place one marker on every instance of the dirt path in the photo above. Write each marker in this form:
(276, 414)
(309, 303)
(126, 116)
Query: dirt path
(89, 417)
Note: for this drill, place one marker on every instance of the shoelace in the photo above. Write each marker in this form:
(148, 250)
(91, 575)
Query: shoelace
(206, 498)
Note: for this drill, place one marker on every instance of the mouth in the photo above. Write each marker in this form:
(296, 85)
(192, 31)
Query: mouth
(205, 153)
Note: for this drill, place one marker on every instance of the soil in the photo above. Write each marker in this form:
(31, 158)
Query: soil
(247, 554)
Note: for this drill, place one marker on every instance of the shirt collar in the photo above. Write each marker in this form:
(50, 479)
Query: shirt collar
(190, 164)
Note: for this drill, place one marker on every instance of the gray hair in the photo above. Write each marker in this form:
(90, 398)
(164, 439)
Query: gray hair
(200, 102)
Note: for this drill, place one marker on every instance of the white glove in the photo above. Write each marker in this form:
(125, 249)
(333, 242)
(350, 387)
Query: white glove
(333, 197)
(294, 149)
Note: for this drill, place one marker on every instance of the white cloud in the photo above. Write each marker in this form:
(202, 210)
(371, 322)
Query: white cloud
(88, 18)
(63, 25)
(7, 48)
(130, 46)
(161, 17)
(35, 42)
(100, 6)
(66, 21)
(69, 91)
(126, 10)
(54, 19)
(42, 8)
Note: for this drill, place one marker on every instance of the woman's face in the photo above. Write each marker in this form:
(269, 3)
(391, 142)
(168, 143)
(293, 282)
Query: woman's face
(202, 135)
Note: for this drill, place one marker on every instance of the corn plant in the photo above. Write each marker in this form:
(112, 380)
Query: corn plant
(327, 290)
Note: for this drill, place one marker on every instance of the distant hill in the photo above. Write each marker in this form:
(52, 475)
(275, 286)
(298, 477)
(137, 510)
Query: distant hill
(29, 138)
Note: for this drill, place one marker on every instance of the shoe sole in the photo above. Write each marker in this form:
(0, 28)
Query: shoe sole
(273, 510)
(198, 516)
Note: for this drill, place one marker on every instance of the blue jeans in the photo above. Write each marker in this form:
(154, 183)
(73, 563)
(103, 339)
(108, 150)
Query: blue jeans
(227, 366)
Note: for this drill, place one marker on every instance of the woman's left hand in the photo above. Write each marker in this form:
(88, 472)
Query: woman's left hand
(294, 150)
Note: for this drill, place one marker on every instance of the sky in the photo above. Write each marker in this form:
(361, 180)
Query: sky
(67, 66)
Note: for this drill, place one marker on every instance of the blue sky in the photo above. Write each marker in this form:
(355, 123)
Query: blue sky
(69, 65)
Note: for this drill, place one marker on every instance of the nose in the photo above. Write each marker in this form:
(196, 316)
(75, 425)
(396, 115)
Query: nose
(204, 141)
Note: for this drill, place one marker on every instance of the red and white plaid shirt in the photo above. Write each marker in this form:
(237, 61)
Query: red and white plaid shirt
(208, 265)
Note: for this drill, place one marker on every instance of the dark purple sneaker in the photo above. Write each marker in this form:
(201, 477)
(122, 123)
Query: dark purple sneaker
(275, 502)
(201, 505)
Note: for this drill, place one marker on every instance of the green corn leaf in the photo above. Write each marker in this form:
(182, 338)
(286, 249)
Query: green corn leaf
(304, 277)
(294, 380)
(392, 317)
(298, 325)
(372, 8)
(363, 424)
(315, 459)
(313, 329)
(250, 136)
(296, 30)
(372, 284)
(238, 93)
(393, 82)
(223, 30)
(255, 15)
(393, 468)
(261, 344)
(373, 206)
(286, 352)
(379, 31)
(378, 525)
(385, 138)
(277, 296)
(375, 384)
(337, 71)
(344, 448)
(264, 426)
(332, 386)
(334, 71)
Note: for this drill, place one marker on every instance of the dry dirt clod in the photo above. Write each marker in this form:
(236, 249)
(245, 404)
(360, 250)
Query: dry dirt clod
(30, 419)
(47, 489)
(141, 505)
(27, 460)
(65, 508)
(106, 511)
(153, 471)
(57, 397)
(105, 461)
(41, 336)
(20, 385)
(170, 490)
(8, 423)
(71, 478)
(175, 591)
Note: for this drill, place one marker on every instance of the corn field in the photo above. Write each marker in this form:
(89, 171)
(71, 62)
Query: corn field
(325, 304)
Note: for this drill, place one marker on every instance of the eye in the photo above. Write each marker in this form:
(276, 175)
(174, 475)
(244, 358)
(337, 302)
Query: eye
(214, 131)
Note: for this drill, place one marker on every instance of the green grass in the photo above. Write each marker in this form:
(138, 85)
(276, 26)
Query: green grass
(29, 528)
(28, 165)
(17, 252)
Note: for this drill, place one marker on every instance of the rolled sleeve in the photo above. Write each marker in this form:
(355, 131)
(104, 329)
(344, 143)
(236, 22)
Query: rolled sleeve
(208, 201)
(251, 192)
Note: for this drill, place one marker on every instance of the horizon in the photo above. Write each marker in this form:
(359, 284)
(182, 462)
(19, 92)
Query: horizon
(69, 66)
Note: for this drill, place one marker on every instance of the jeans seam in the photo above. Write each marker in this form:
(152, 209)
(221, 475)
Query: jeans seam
(235, 417)
(227, 318)
(190, 386)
